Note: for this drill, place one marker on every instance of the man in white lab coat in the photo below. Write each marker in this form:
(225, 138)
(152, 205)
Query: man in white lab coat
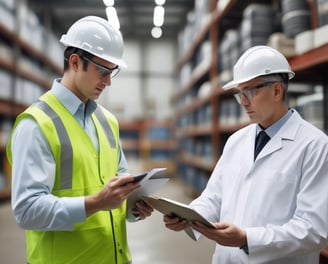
(273, 207)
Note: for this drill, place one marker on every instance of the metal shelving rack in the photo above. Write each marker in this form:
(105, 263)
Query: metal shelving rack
(9, 107)
(310, 67)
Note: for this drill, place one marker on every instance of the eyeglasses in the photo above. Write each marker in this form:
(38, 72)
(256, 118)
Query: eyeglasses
(104, 71)
(250, 92)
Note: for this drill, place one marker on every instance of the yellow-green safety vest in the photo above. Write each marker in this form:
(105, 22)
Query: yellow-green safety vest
(80, 171)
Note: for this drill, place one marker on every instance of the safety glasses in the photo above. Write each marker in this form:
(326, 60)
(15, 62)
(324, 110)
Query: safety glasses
(250, 92)
(104, 71)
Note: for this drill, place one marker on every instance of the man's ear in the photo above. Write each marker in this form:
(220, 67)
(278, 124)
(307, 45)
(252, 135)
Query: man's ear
(74, 62)
(278, 89)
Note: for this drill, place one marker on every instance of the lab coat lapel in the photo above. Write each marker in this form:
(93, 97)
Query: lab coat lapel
(248, 151)
(287, 132)
(273, 145)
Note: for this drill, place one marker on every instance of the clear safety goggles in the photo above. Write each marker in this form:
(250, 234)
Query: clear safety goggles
(250, 92)
(104, 71)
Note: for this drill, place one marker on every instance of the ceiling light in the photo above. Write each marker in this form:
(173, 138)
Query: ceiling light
(159, 16)
(156, 32)
(160, 2)
(112, 17)
(108, 2)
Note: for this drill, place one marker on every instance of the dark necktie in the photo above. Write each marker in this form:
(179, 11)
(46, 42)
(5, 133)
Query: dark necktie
(261, 139)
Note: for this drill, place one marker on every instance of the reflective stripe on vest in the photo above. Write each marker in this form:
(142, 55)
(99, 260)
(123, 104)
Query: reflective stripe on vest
(108, 131)
(66, 155)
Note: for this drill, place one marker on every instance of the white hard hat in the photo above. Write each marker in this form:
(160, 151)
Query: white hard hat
(258, 61)
(96, 36)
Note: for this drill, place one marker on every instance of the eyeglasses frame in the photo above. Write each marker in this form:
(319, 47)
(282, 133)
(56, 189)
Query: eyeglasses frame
(248, 93)
(102, 70)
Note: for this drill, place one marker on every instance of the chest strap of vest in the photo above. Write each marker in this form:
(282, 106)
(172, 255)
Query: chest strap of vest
(66, 155)
(104, 123)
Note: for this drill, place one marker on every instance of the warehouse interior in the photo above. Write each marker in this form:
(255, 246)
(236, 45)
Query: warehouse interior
(169, 101)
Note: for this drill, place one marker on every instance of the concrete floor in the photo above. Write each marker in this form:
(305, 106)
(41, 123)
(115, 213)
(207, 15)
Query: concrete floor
(150, 241)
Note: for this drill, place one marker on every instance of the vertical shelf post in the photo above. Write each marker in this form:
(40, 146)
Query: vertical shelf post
(213, 74)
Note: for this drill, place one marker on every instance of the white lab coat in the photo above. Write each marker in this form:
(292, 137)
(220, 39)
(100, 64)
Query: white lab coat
(281, 199)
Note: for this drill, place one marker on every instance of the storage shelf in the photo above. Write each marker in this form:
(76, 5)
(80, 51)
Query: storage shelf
(198, 102)
(229, 129)
(21, 50)
(130, 133)
(212, 18)
(5, 194)
(195, 43)
(130, 144)
(310, 67)
(131, 125)
(7, 64)
(138, 137)
(197, 162)
(195, 130)
(24, 73)
(312, 58)
(11, 108)
(28, 48)
(200, 71)
(158, 144)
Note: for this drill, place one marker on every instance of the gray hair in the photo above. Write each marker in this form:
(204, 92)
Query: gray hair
(277, 77)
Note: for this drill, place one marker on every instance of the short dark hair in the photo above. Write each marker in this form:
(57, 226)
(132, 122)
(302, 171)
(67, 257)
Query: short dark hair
(82, 53)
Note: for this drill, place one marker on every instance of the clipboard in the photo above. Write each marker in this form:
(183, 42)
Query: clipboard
(149, 185)
(174, 208)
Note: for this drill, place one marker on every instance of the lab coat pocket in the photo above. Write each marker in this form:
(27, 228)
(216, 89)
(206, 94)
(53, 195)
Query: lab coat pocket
(277, 191)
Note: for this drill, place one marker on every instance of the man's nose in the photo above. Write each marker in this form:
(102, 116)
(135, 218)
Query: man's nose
(107, 80)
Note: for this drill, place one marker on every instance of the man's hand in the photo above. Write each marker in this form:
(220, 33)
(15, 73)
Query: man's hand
(225, 234)
(112, 195)
(175, 223)
(142, 210)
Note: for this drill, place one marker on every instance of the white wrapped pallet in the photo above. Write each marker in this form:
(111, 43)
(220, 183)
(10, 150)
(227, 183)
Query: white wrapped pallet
(6, 81)
(320, 36)
(304, 41)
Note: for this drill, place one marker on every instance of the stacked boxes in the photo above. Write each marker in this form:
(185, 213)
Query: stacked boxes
(322, 12)
(7, 14)
(29, 58)
(203, 120)
(295, 17)
(311, 108)
(259, 22)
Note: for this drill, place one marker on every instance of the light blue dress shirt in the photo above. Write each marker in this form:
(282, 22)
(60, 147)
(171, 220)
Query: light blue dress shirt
(273, 129)
(33, 172)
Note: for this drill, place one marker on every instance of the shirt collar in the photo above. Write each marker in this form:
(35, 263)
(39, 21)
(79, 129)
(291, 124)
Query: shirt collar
(274, 128)
(73, 104)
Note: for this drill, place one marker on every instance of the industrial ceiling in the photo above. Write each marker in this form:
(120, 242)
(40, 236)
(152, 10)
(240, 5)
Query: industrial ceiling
(135, 16)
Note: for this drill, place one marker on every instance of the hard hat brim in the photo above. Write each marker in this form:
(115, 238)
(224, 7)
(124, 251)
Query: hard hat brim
(234, 83)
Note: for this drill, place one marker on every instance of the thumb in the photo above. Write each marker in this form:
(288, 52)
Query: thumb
(221, 225)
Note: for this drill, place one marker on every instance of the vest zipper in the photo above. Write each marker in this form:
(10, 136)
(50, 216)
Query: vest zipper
(115, 248)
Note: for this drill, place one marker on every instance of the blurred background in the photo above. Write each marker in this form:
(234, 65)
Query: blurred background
(172, 110)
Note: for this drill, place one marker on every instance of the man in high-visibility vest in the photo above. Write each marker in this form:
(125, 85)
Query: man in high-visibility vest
(66, 156)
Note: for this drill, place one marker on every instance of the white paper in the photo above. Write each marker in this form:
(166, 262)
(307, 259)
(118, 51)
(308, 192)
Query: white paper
(148, 186)
(151, 174)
